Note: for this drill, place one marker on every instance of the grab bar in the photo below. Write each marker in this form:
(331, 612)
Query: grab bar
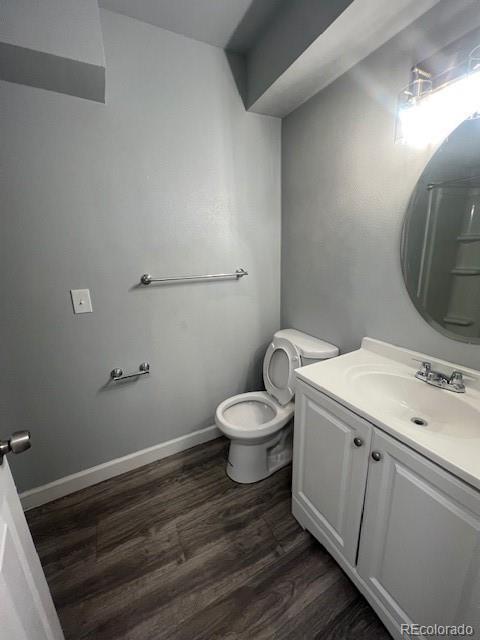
(118, 374)
(147, 279)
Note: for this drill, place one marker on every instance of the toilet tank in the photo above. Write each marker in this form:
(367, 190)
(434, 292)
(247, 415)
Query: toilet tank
(311, 349)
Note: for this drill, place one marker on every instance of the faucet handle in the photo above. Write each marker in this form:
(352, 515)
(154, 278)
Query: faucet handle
(456, 379)
(425, 370)
(455, 382)
(426, 367)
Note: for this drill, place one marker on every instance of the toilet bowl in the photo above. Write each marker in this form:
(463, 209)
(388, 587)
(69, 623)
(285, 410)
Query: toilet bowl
(259, 423)
(254, 423)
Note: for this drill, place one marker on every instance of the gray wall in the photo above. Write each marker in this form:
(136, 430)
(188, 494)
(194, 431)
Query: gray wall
(289, 33)
(171, 176)
(345, 188)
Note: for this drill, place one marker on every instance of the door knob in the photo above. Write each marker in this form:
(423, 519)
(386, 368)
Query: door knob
(19, 441)
(357, 442)
(376, 455)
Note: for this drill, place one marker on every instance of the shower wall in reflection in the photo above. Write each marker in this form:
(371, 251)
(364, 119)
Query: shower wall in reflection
(441, 237)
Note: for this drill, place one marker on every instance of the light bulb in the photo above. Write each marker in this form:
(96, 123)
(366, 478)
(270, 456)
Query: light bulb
(437, 114)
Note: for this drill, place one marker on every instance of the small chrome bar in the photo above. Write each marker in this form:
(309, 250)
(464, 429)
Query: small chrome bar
(118, 374)
(147, 279)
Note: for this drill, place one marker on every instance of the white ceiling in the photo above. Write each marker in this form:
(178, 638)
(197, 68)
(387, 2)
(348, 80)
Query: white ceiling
(230, 24)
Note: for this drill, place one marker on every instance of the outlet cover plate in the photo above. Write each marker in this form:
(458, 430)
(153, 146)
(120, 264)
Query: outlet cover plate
(81, 301)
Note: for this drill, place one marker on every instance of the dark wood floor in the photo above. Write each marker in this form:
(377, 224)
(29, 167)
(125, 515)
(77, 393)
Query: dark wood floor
(177, 550)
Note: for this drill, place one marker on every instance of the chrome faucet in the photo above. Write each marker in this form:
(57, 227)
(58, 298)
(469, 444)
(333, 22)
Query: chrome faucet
(454, 382)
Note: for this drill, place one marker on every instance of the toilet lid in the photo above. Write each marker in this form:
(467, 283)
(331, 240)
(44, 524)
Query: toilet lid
(279, 364)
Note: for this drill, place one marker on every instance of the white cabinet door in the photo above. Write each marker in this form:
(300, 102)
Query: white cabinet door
(26, 607)
(420, 542)
(329, 469)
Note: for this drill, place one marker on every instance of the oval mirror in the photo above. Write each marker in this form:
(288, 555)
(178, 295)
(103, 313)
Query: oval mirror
(441, 237)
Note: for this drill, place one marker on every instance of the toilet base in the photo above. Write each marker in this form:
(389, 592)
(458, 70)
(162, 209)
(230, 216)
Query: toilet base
(253, 460)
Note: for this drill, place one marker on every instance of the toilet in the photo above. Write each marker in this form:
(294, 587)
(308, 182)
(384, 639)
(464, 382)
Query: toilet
(259, 423)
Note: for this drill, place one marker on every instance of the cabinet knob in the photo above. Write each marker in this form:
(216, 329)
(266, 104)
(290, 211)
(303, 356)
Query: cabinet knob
(357, 442)
(376, 455)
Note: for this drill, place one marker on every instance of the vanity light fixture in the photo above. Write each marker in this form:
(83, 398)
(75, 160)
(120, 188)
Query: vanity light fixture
(430, 108)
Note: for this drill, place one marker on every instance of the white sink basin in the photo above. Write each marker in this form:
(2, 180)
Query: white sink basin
(378, 383)
(415, 402)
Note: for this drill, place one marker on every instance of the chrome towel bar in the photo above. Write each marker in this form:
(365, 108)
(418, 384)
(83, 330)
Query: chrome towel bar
(239, 273)
(118, 374)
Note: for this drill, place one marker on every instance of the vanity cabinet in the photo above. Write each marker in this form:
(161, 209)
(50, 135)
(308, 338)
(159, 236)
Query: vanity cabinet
(331, 449)
(405, 530)
(420, 540)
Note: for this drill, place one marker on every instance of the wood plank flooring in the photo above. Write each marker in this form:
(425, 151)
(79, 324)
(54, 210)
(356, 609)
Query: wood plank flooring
(176, 550)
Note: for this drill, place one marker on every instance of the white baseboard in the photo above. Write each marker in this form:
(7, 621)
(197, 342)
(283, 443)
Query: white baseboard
(63, 486)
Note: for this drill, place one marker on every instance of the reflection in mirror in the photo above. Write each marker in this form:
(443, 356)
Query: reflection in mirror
(441, 237)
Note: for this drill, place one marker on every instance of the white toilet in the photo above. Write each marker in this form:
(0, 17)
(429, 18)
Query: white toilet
(259, 423)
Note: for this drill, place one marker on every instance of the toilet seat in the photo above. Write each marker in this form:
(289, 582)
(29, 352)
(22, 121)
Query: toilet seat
(259, 414)
(248, 422)
(283, 388)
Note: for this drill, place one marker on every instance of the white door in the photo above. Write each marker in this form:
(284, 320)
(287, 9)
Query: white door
(26, 607)
(331, 449)
(420, 542)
